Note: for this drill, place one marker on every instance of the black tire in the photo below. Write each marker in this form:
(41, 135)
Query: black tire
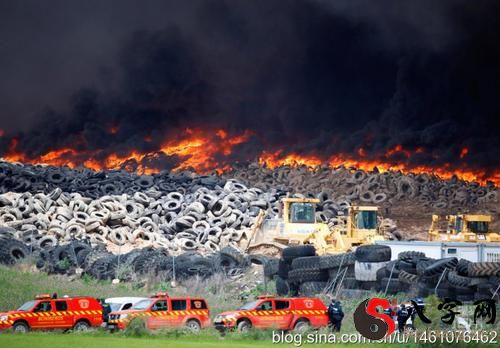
(389, 268)
(482, 269)
(81, 325)
(457, 280)
(407, 266)
(104, 268)
(410, 255)
(193, 325)
(408, 278)
(309, 262)
(310, 289)
(62, 257)
(244, 326)
(271, 267)
(422, 265)
(463, 267)
(373, 253)
(439, 266)
(382, 273)
(302, 275)
(282, 287)
(333, 261)
(235, 254)
(258, 259)
(12, 251)
(302, 325)
(20, 327)
(293, 252)
(283, 269)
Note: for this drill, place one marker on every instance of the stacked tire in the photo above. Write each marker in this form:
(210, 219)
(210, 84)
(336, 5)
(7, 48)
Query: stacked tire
(370, 267)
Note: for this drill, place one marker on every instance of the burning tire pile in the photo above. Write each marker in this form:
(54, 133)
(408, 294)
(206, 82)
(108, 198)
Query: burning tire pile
(370, 267)
(375, 188)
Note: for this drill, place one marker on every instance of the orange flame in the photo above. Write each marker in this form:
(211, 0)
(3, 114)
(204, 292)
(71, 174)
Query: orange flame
(274, 160)
(204, 151)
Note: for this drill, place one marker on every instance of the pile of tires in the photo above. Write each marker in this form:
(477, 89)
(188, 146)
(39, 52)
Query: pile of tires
(368, 187)
(100, 264)
(301, 272)
(177, 212)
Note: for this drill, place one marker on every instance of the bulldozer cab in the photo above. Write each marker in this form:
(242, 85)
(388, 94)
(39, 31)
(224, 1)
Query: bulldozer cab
(299, 211)
(466, 227)
(362, 225)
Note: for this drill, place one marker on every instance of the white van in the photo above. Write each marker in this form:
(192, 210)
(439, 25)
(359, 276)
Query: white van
(123, 303)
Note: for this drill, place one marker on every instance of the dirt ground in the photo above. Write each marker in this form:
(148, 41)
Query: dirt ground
(414, 220)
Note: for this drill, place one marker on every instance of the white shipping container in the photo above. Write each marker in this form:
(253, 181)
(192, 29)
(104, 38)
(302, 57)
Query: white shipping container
(475, 252)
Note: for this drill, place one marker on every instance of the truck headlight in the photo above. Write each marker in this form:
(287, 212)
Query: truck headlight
(123, 316)
(4, 318)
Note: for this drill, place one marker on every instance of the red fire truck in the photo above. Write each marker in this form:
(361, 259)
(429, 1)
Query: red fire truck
(46, 313)
(279, 313)
(161, 311)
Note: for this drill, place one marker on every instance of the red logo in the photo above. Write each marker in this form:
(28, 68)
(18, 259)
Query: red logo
(308, 303)
(370, 323)
(84, 304)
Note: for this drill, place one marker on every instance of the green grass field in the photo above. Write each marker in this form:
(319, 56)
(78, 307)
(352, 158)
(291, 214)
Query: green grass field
(20, 283)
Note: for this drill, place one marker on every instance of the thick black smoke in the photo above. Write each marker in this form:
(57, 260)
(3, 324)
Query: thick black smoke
(320, 77)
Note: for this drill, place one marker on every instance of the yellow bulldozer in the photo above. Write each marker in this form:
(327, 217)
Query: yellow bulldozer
(298, 225)
(462, 228)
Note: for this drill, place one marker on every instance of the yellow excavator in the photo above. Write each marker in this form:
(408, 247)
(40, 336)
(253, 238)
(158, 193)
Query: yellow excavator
(462, 228)
(298, 225)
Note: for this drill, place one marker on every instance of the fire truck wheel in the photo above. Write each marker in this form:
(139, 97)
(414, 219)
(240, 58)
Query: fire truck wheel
(301, 325)
(81, 325)
(20, 327)
(193, 325)
(373, 253)
(244, 326)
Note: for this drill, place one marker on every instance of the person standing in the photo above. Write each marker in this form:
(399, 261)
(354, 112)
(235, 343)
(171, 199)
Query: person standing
(335, 315)
(403, 315)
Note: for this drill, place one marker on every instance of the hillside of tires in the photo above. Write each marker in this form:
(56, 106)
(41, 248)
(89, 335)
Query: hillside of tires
(120, 225)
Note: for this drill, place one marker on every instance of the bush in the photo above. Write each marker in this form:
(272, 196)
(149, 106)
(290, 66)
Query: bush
(136, 328)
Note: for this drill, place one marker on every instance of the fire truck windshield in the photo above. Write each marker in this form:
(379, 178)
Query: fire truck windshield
(144, 304)
(249, 305)
(27, 306)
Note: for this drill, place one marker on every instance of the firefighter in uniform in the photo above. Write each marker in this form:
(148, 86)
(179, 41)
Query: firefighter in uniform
(335, 315)
(403, 316)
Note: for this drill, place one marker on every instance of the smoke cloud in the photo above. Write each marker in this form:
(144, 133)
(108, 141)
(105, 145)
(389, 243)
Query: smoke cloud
(309, 77)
